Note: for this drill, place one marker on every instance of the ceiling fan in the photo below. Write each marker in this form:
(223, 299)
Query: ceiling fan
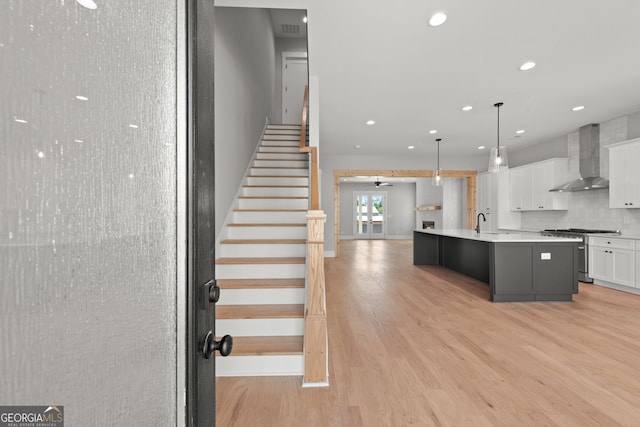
(379, 184)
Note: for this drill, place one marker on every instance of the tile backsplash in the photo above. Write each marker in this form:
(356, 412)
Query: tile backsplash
(589, 209)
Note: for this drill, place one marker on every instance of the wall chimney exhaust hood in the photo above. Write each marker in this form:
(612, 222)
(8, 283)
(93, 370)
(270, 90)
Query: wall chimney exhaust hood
(590, 179)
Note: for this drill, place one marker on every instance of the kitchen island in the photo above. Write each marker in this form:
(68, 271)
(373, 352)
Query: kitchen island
(517, 266)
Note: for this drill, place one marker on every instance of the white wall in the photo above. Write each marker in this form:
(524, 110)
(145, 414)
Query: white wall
(245, 70)
(453, 199)
(428, 195)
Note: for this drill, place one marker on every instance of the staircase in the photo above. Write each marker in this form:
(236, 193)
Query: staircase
(261, 269)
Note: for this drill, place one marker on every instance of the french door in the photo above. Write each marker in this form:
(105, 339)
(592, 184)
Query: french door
(369, 215)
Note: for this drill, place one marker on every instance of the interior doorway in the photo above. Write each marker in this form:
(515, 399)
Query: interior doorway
(369, 215)
(294, 79)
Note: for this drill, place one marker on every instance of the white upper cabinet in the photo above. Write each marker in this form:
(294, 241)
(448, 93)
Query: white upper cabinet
(487, 192)
(529, 186)
(493, 202)
(624, 174)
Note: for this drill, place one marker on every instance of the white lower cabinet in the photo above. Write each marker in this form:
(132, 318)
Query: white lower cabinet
(613, 260)
(638, 263)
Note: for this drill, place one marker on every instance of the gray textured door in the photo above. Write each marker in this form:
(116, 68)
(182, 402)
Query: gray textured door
(88, 270)
(201, 398)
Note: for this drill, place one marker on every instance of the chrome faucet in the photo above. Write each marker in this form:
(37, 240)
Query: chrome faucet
(478, 222)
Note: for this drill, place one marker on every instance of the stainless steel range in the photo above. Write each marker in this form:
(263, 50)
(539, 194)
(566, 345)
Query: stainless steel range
(583, 249)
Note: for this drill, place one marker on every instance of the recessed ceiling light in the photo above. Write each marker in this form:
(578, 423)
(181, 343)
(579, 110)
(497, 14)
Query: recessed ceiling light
(357, 147)
(527, 66)
(305, 19)
(40, 154)
(432, 131)
(467, 108)
(481, 147)
(78, 140)
(89, 4)
(437, 19)
(81, 98)
(411, 147)
(371, 122)
(578, 108)
(131, 175)
(133, 126)
(15, 119)
(519, 132)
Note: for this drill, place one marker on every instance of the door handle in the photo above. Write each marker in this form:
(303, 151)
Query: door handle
(210, 345)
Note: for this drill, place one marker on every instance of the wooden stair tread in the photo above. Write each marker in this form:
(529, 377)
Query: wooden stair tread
(255, 260)
(260, 283)
(264, 242)
(273, 197)
(260, 311)
(275, 186)
(270, 210)
(297, 146)
(277, 176)
(302, 224)
(279, 167)
(302, 153)
(268, 346)
(281, 160)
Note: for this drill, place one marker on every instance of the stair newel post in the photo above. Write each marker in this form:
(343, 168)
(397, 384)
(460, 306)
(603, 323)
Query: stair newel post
(315, 337)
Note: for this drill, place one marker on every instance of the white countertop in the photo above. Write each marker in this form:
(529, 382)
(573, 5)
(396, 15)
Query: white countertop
(503, 237)
(617, 236)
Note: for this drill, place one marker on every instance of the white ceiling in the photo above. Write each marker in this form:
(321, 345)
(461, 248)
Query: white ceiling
(382, 61)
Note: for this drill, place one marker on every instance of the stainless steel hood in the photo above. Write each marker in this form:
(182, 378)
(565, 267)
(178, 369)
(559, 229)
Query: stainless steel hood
(590, 178)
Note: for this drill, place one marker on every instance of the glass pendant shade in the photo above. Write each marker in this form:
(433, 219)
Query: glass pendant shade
(437, 177)
(498, 160)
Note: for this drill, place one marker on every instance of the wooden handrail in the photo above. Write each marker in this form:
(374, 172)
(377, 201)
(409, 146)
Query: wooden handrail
(313, 154)
(303, 126)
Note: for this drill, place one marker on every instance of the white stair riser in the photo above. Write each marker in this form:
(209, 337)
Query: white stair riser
(273, 203)
(289, 126)
(270, 217)
(281, 155)
(281, 131)
(270, 171)
(260, 327)
(262, 251)
(271, 140)
(285, 180)
(289, 141)
(280, 149)
(273, 191)
(256, 366)
(270, 232)
(260, 271)
(281, 163)
(261, 296)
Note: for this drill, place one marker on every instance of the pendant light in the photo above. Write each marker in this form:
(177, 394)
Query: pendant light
(437, 178)
(498, 157)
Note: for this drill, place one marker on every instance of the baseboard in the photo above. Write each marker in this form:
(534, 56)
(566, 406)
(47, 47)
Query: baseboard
(387, 237)
(617, 287)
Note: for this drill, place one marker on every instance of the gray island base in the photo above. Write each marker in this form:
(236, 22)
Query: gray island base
(517, 266)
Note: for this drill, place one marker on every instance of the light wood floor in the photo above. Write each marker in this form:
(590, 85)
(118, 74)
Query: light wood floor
(423, 346)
